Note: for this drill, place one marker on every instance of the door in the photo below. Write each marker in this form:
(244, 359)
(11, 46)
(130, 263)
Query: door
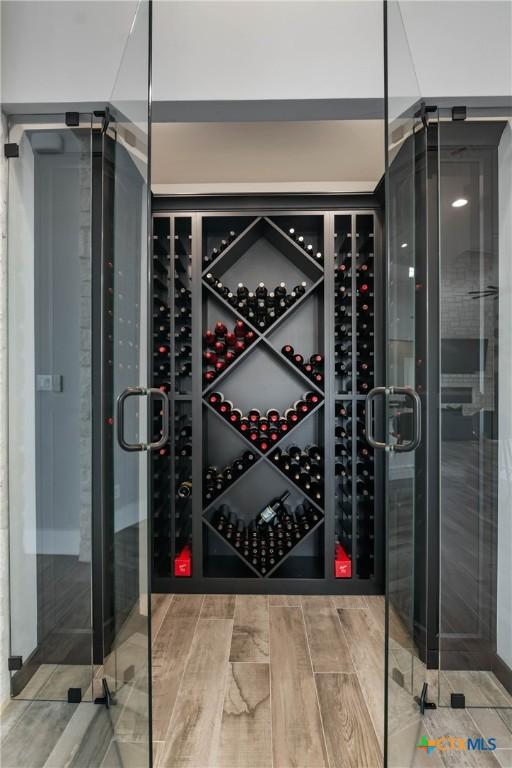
(50, 263)
(410, 182)
(126, 280)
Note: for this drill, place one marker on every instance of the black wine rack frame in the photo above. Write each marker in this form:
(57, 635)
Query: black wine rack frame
(262, 249)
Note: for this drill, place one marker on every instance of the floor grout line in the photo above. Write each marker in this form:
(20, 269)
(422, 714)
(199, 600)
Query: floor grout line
(314, 683)
(270, 686)
(357, 673)
(182, 676)
(216, 746)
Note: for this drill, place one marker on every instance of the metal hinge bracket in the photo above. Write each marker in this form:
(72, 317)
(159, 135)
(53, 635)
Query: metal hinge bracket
(11, 150)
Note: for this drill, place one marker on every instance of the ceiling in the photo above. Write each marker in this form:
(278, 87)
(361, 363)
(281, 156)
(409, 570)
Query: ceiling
(330, 156)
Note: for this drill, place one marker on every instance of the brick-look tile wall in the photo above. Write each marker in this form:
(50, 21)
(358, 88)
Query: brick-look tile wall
(467, 318)
(85, 358)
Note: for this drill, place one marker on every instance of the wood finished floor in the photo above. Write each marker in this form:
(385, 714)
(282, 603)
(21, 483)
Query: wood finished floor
(264, 682)
(255, 682)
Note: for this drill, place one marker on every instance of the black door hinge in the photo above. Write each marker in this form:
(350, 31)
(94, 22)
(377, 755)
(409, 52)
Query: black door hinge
(423, 113)
(72, 119)
(107, 699)
(459, 113)
(74, 695)
(14, 663)
(105, 115)
(457, 701)
(11, 150)
(422, 700)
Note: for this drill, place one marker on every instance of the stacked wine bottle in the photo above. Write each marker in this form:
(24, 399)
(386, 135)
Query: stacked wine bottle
(222, 347)
(223, 244)
(182, 312)
(305, 467)
(364, 305)
(183, 475)
(264, 429)
(268, 539)
(260, 307)
(161, 468)
(343, 321)
(365, 493)
(313, 368)
(308, 247)
(216, 481)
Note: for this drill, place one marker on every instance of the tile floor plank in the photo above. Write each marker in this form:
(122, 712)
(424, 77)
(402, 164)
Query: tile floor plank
(170, 652)
(348, 601)
(218, 607)
(85, 740)
(250, 629)
(285, 601)
(327, 645)
(30, 741)
(159, 606)
(194, 729)
(297, 734)
(246, 720)
(350, 737)
(366, 646)
(448, 722)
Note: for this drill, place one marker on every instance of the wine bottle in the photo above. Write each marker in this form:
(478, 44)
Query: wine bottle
(261, 291)
(240, 329)
(272, 510)
(184, 489)
(254, 415)
(242, 292)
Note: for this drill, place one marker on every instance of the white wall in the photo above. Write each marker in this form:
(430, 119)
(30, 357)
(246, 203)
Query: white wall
(504, 595)
(267, 50)
(69, 50)
(62, 51)
(4, 506)
(460, 48)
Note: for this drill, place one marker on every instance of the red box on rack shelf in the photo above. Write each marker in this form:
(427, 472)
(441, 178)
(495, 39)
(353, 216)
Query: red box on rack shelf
(183, 562)
(342, 563)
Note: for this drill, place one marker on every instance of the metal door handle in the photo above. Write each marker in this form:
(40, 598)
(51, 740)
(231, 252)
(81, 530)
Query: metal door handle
(411, 445)
(140, 392)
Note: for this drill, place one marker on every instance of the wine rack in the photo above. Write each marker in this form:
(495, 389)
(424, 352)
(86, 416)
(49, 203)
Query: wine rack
(264, 338)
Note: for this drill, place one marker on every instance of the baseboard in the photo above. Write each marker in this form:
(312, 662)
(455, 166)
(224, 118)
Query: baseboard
(502, 672)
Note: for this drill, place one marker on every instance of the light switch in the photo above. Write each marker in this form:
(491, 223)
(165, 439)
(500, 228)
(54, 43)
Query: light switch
(48, 382)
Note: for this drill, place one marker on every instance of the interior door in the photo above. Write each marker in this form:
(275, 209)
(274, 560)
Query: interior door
(405, 397)
(126, 281)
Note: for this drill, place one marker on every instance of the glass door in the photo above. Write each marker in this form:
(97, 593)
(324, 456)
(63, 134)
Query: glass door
(409, 182)
(50, 409)
(126, 281)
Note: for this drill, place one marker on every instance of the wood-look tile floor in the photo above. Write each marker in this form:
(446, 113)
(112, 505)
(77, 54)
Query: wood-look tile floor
(251, 681)
(258, 682)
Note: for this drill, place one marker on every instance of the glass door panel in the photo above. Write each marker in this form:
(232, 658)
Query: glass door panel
(127, 667)
(50, 409)
(475, 640)
(404, 396)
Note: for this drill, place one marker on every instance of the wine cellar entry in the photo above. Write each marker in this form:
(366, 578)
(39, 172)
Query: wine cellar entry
(266, 334)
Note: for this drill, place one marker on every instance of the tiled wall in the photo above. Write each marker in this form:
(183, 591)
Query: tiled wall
(467, 318)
